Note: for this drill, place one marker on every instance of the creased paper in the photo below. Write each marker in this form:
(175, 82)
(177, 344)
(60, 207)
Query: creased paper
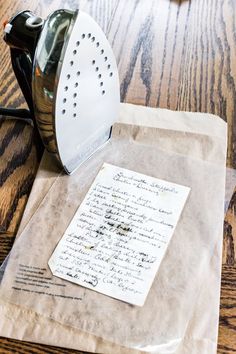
(137, 113)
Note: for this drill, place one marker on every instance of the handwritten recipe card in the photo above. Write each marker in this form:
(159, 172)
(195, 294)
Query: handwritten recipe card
(119, 234)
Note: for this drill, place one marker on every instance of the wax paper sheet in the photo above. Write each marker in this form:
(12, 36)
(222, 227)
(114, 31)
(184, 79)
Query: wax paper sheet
(208, 158)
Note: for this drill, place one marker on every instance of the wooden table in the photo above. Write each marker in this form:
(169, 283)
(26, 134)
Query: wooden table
(174, 54)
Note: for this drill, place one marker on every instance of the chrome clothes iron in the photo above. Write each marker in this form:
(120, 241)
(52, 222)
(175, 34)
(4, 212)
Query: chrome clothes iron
(68, 74)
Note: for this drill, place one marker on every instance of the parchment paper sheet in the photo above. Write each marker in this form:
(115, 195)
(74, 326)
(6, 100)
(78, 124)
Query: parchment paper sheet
(206, 147)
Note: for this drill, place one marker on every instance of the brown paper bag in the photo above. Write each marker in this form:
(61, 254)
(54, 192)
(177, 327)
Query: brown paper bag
(212, 149)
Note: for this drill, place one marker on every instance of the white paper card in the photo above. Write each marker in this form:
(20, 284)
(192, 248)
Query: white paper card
(119, 234)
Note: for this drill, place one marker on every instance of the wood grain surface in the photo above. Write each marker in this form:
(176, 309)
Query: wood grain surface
(172, 54)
